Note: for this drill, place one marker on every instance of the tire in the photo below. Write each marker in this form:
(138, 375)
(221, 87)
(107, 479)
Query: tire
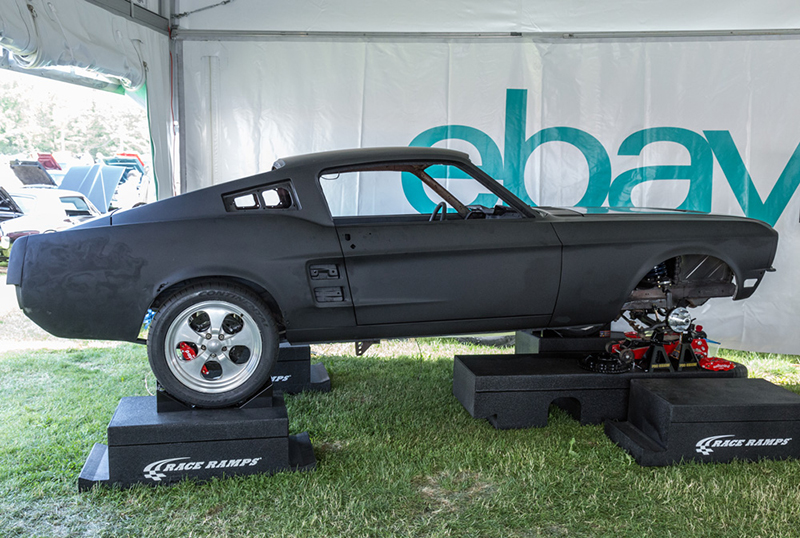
(212, 345)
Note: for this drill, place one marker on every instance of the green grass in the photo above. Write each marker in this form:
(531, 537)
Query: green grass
(397, 455)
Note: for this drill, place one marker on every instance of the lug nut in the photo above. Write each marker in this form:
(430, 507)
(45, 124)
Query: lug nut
(222, 337)
(208, 336)
(224, 348)
(203, 348)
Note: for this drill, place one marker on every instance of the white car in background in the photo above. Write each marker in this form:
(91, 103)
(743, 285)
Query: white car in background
(35, 210)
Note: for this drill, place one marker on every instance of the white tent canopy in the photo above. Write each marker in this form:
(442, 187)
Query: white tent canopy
(469, 16)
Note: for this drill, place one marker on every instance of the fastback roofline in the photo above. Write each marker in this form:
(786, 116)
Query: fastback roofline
(330, 159)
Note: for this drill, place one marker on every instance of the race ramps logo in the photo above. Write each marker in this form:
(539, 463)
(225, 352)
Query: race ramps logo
(158, 470)
(706, 446)
(509, 166)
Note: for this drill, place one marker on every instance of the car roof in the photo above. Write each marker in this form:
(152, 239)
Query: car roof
(357, 156)
(302, 169)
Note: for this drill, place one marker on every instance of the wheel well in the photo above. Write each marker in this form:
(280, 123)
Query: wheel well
(263, 294)
(684, 280)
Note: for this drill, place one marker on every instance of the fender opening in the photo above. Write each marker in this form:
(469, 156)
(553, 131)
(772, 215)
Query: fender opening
(167, 292)
(688, 280)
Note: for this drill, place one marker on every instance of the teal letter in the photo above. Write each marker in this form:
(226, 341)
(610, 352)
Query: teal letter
(593, 151)
(516, 125)
(491, 163)
(510, 168)
(742, 184)
(518, 151)
(699, 172)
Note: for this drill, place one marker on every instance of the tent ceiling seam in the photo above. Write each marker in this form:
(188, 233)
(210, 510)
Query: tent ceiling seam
(141, 16)
(237, 35)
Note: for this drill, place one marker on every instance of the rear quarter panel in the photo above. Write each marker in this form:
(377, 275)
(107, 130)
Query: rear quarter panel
(606, 256)
(99, 282)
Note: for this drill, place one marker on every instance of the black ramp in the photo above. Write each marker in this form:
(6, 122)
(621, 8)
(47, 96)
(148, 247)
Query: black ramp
(293, 372)
(716, 420)
(161, 443)
(516, 391)
(547, 341)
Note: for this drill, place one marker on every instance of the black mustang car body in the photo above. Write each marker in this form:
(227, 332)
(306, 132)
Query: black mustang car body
(232, 269)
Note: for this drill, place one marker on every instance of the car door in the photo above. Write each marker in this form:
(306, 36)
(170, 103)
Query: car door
(411, 262)
(405, 271)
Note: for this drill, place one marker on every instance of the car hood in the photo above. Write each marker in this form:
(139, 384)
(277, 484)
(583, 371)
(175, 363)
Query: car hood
(626, 210)
(98, 183)
(8, 207)
(32, 173)
(580, 211)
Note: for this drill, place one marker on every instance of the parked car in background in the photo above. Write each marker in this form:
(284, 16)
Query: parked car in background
(119, 182)
(35, 210)
(310, 252)
(136, 186)
(9, 209)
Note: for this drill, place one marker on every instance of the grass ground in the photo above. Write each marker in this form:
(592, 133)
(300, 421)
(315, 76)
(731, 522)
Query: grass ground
(397, 456)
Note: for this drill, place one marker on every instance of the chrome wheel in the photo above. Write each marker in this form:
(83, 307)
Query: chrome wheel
(213, 346)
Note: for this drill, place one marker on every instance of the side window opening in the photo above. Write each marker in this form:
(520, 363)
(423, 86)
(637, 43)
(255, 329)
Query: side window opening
(351, 193)
(277, 197)
(402, 189)
(246, 201)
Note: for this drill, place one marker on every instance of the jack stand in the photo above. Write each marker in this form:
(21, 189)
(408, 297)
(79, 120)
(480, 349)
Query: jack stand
(656, 359)
(686, 357)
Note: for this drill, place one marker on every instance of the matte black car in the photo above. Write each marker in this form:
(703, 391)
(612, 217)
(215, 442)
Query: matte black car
(232, 270)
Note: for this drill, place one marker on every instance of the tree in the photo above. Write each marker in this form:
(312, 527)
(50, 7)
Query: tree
(43, 116)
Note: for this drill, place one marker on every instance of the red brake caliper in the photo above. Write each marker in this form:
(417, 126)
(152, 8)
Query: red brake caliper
(188, 352)
(716, 364)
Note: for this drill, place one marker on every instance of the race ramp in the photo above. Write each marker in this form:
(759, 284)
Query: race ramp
(708, 420)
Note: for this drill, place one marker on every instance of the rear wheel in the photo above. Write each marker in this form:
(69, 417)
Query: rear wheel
(212, 345)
